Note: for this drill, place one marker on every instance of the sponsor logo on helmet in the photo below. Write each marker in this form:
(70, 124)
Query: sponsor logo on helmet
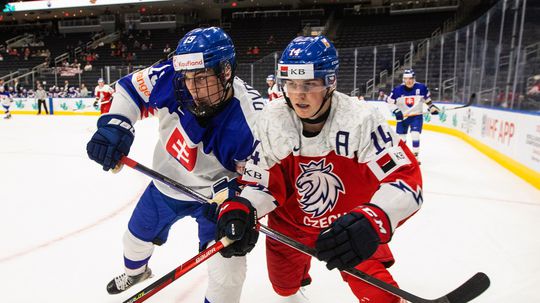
(188, 61)
(296, 71)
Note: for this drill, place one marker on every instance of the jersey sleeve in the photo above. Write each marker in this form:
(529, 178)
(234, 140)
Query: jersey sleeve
(426, 94)
(394, 166)
(391, 100)
(265, 172)
(133, 92)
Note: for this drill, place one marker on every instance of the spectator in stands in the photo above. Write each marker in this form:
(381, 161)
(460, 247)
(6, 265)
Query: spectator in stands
(136, 44)
(255, 51)
(249, 51)
(534, 91)
(66, 85)
(41, 97)
(88, 67)
(76, 64)
(1, 57)
(26, 53)
(84, 91)
(144, 47)
(361, 98)
(270, 40)
(382, 96)
(167, 49)
(17, 87)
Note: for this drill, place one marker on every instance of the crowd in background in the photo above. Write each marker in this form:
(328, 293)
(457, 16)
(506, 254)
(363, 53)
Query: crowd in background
(67, 90)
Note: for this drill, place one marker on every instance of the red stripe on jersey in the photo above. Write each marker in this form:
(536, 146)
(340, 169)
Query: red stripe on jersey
(232, 205)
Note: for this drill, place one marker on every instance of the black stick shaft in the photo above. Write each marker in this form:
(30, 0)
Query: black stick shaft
(464, 293)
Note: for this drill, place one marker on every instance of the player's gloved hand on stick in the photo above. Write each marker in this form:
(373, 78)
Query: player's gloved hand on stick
(398, 114)
(237, 219)
(111, 141)
(433, 109)
(354, 237)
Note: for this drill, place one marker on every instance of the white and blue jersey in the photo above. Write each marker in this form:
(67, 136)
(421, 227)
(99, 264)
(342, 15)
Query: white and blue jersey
(409, 100)
(5, 99)
(187, 152)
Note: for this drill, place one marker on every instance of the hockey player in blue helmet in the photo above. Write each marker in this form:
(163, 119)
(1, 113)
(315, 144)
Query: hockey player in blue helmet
(331, 174)
(206, 116)
(406, 103)
(204, 76)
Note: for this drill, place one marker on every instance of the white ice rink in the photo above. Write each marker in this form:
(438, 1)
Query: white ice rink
(62, 219)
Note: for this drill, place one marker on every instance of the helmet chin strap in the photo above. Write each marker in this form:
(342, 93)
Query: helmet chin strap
(325, 115)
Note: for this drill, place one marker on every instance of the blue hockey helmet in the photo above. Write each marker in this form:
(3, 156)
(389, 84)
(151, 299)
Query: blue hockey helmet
(408, 73)
(200, 52)
(271, 77)
(309, 58)
(204, 48)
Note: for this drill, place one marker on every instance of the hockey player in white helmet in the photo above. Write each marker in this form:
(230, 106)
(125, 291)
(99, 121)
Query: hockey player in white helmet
(5, 101)
(206, 116)
(329, 172)
(406, 102)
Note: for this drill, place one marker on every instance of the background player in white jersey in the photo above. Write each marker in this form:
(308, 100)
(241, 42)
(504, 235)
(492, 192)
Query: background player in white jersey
(205, 117)
(103, 93)
(330, 173)
(406, 102)
(273, 89)
(5, 100)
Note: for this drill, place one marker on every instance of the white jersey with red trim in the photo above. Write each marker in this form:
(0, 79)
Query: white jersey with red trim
(274, 92)
(311, 181)
(103, 94)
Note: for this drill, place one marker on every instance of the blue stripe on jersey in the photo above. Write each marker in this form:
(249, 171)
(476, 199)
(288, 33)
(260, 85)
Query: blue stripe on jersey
(401, 91)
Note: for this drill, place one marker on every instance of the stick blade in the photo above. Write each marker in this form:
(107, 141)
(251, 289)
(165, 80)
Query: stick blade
(469, 290)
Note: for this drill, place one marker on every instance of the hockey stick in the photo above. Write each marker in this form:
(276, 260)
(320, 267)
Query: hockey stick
(167, 279)
(469, 290)
(471, 100)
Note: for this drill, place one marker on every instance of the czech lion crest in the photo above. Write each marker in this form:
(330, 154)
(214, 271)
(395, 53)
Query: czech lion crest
(318, 187)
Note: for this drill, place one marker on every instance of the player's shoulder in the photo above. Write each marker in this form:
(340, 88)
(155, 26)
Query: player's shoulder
(277, 110)
(398, 90)
(420, 85)
(249, 98)
(351, 112)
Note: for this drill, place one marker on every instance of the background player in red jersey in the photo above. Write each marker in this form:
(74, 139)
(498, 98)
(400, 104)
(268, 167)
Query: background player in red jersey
(103, 93)
(273, 89)
(330, 173)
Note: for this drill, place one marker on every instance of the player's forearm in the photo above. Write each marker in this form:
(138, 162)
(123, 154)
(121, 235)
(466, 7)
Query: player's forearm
(123, 105)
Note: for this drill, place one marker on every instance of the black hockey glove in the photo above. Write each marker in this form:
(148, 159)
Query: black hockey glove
(237, 219)
(111, 141)
(354, 237)
(433, 109)
(398, 114)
